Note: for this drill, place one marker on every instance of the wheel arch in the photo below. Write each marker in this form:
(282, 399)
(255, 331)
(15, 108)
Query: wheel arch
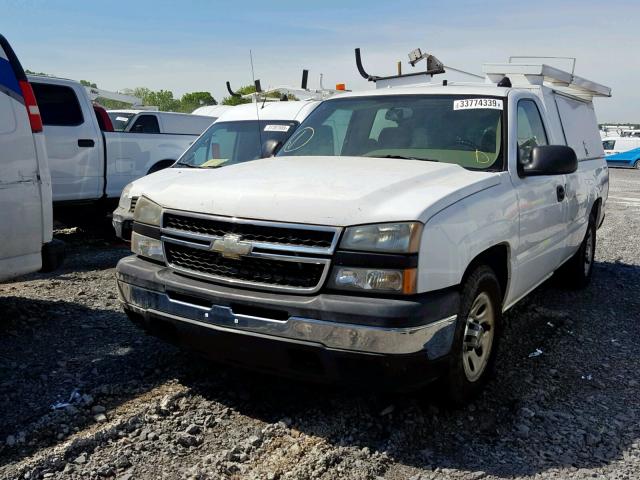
(496, 257)
(161, 165)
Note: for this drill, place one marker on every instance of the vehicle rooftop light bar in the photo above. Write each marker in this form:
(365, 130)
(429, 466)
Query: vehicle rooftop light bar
(541, 73)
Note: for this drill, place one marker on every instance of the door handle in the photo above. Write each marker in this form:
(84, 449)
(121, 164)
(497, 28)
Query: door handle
(86, 142)
(560, 192)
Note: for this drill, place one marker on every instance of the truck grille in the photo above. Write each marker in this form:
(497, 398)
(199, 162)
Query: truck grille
(246, 269)
(253, 253)
(134, 202)
(251, 232)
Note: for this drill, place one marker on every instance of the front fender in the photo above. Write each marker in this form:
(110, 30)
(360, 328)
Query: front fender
(454, 236)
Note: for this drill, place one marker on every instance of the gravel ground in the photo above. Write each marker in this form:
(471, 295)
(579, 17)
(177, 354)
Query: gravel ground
(137, 408)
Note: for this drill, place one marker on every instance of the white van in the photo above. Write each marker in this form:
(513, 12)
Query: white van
(241, 134)
(26, 232)
(145, 121)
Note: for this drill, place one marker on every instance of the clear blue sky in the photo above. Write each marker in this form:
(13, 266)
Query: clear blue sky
(198, 45)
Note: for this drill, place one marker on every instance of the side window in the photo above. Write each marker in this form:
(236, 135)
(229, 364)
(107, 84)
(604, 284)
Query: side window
(58, 105)
(609, 144)
(146, 124)
(531, 131)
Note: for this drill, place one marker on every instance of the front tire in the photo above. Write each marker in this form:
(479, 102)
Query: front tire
(637, 164)
(477, 336)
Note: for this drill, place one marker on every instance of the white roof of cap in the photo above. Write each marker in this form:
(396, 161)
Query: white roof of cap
(431, 89)
(269, 111)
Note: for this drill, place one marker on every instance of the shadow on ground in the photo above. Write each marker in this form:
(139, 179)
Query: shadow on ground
(572, 406)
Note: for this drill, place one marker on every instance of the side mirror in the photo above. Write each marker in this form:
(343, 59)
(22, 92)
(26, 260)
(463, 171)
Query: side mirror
(270, 147)
(550, 160)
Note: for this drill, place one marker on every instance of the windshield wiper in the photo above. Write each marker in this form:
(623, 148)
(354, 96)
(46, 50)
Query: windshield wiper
(185, 165)
(402, 157)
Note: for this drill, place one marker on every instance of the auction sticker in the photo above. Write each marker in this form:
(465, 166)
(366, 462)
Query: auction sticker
(473, 103)
(276, 128)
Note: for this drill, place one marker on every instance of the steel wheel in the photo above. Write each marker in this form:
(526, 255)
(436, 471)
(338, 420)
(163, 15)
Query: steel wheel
(588, 252)
(478, 337)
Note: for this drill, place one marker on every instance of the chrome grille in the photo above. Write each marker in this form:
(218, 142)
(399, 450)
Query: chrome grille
(273, 256)
(246, 269)
(261, 233)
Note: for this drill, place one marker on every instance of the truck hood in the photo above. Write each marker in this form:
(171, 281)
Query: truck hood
(337, 191)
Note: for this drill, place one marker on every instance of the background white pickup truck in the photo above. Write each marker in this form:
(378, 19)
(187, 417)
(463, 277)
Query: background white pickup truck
(88, 164)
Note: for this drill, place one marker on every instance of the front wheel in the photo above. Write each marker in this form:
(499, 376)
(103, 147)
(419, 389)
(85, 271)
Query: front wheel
(637, 164)
(476, 338)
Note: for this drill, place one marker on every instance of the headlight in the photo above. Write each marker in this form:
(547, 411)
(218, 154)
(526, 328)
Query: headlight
(385, 237)
(147, 212)
(147, 247)
(125, 197)
(374, 279)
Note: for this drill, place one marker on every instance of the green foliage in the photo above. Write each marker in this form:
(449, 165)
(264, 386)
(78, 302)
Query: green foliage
(163, 99)
(42, 74)
(190, 101)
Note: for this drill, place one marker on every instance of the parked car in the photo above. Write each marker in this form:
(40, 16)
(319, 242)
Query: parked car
(386, 238)
(26, 230)
(237, 136)
(622, 151)
(90, 164)
(145, 121)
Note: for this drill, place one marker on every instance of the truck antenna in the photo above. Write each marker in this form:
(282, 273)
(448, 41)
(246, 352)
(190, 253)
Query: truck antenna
(257, 85)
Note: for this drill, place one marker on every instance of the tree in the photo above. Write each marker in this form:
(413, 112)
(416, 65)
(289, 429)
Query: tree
(87, 83)
(190, 101)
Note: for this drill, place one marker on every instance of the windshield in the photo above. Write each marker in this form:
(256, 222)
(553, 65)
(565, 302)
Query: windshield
(225, 143)
(445, 128)
(120, 120)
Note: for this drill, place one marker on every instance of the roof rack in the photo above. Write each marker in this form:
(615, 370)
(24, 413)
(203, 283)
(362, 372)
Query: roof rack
(541, 73)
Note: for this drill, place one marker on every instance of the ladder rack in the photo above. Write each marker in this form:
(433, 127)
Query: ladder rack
(541, 74)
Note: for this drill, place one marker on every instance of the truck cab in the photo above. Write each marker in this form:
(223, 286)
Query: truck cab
(26, 231)
(388, 235)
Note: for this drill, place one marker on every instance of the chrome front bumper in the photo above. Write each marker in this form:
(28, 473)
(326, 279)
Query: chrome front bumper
(434, 339)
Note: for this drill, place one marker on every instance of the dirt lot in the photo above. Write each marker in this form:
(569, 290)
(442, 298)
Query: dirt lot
(138, 408)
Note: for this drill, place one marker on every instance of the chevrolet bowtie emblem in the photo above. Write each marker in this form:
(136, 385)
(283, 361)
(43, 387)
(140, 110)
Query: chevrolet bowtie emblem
(232, 246)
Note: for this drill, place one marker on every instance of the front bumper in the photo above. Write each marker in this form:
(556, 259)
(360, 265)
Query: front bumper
(122, 221)
(397, 334)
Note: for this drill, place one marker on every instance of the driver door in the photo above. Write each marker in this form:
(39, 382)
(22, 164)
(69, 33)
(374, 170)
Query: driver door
(541, 202)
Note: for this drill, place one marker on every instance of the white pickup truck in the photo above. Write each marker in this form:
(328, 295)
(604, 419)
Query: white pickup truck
(89, 164)
(386, 238)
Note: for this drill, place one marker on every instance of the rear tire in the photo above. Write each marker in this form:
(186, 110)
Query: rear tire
(637, 164)
(476, 338)
(578, 270)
